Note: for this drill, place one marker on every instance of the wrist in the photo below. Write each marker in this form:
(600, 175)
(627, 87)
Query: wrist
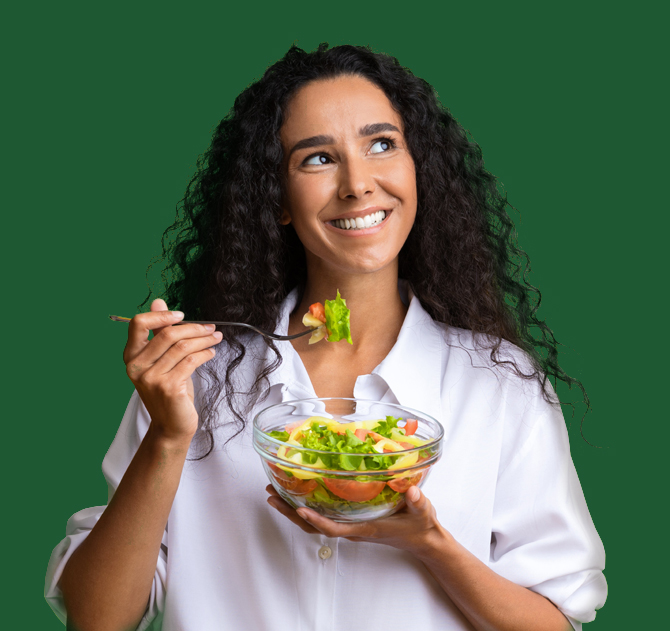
(436, 541)
(173, 443)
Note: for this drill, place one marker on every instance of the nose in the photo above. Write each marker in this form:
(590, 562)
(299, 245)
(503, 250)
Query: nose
(356, 178)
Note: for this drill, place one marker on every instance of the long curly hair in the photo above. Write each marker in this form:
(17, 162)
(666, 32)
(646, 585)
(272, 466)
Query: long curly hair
(231, 260)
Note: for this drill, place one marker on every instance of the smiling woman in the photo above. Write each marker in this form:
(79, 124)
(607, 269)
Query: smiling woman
(338, 170)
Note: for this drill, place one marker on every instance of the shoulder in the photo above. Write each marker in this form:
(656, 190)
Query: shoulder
(476, 351)
(498, 370)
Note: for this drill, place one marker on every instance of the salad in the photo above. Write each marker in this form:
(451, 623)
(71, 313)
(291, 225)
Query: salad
(335, 317)
(380, 456)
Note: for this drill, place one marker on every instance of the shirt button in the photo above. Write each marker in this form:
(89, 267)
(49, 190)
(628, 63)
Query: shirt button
(325, 552)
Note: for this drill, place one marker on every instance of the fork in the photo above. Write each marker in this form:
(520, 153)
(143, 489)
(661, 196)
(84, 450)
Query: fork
(272, 336)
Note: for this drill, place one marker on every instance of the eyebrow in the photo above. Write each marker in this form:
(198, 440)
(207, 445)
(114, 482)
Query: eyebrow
(317, 141)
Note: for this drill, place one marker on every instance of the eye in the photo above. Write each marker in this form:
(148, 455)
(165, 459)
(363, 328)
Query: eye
(384, 143)
(316, 160)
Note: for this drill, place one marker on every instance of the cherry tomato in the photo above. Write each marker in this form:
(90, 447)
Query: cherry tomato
(411, 426)
(293, 485)
(318, 311)
(352, 490)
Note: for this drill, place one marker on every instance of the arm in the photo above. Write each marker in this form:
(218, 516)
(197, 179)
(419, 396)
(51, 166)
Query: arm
(125, 542)
(489, 601)
(106, 583)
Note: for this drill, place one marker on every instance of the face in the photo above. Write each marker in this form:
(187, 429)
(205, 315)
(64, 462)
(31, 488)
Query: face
(347, 163)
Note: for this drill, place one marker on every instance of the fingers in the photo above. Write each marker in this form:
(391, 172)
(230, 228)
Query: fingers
(283, 507)
(174, 345)
(361, 531)
(140, 326)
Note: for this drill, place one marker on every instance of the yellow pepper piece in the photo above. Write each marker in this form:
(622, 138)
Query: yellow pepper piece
(405, 461)
(387, 443)
(309, 320)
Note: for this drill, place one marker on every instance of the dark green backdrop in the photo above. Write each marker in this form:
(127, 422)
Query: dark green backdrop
(107, 107)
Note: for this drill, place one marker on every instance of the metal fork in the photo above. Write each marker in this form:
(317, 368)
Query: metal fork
(272, 336)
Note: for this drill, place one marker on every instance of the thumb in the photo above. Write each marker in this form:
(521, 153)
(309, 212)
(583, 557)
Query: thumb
(416, 500)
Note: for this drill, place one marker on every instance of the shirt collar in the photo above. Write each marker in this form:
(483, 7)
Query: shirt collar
(412, 370)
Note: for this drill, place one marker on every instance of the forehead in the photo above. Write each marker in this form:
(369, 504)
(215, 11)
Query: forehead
(336, 107)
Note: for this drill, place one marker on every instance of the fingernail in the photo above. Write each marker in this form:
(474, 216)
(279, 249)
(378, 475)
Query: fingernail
(413, 494)
(303, 513)
(178, 314)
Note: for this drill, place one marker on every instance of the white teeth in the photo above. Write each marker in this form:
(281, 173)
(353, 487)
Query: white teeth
(361, 222)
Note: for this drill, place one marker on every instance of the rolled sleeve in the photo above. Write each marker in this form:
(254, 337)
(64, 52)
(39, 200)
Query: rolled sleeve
(543, 535)
(128, 438)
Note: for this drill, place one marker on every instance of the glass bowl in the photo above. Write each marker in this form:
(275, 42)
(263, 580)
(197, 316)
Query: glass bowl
(325, 454)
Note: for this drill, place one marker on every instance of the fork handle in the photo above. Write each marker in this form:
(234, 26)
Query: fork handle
(272, 336)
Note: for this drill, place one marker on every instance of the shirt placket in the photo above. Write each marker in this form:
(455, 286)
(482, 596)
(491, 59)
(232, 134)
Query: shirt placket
(325, 558)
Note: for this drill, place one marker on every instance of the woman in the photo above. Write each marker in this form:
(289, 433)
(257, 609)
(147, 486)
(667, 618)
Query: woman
(499, 538)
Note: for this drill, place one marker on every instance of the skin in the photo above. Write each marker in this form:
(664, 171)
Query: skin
(348, 173)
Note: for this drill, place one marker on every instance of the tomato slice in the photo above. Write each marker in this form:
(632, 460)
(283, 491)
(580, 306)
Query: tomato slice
(318, 311)
(361, 433)
(411, 426)
(293, 485)
(401, 485)
(352, 490)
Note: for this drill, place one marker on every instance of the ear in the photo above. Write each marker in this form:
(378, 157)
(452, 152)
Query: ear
(285, 218)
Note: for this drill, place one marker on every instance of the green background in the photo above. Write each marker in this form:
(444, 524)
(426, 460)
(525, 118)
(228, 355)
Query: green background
(106, 109)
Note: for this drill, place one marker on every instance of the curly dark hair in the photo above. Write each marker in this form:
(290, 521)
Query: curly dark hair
(231, 259)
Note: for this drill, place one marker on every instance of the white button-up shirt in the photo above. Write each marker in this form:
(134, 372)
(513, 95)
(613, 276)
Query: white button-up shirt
(505, 488)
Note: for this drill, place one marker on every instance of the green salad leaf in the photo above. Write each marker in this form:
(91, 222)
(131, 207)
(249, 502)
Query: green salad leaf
(321, 496)
(337, 319)
(352, 453)
(283, 436)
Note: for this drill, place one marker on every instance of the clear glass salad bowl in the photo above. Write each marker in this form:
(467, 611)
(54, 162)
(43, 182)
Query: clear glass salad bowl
(348, 459)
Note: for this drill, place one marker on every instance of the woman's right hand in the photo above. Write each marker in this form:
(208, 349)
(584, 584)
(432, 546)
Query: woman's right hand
(161, 368)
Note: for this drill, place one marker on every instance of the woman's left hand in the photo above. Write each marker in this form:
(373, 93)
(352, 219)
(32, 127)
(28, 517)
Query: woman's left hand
(413, 528)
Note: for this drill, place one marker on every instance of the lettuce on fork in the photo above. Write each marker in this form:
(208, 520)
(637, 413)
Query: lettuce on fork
(335, 315)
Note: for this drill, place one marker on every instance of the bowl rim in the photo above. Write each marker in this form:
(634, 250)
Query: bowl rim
(420, 414)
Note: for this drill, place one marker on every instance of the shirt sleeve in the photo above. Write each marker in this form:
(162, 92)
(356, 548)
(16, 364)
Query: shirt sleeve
(543, 536)
(128, 438)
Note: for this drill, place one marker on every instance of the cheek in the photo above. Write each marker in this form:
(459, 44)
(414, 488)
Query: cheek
(308, 195)
(400, 181)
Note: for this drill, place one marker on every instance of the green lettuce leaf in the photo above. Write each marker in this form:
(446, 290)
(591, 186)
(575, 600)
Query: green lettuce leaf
(337, 319)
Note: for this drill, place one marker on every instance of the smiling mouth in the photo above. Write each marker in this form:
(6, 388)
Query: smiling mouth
(360, 223)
